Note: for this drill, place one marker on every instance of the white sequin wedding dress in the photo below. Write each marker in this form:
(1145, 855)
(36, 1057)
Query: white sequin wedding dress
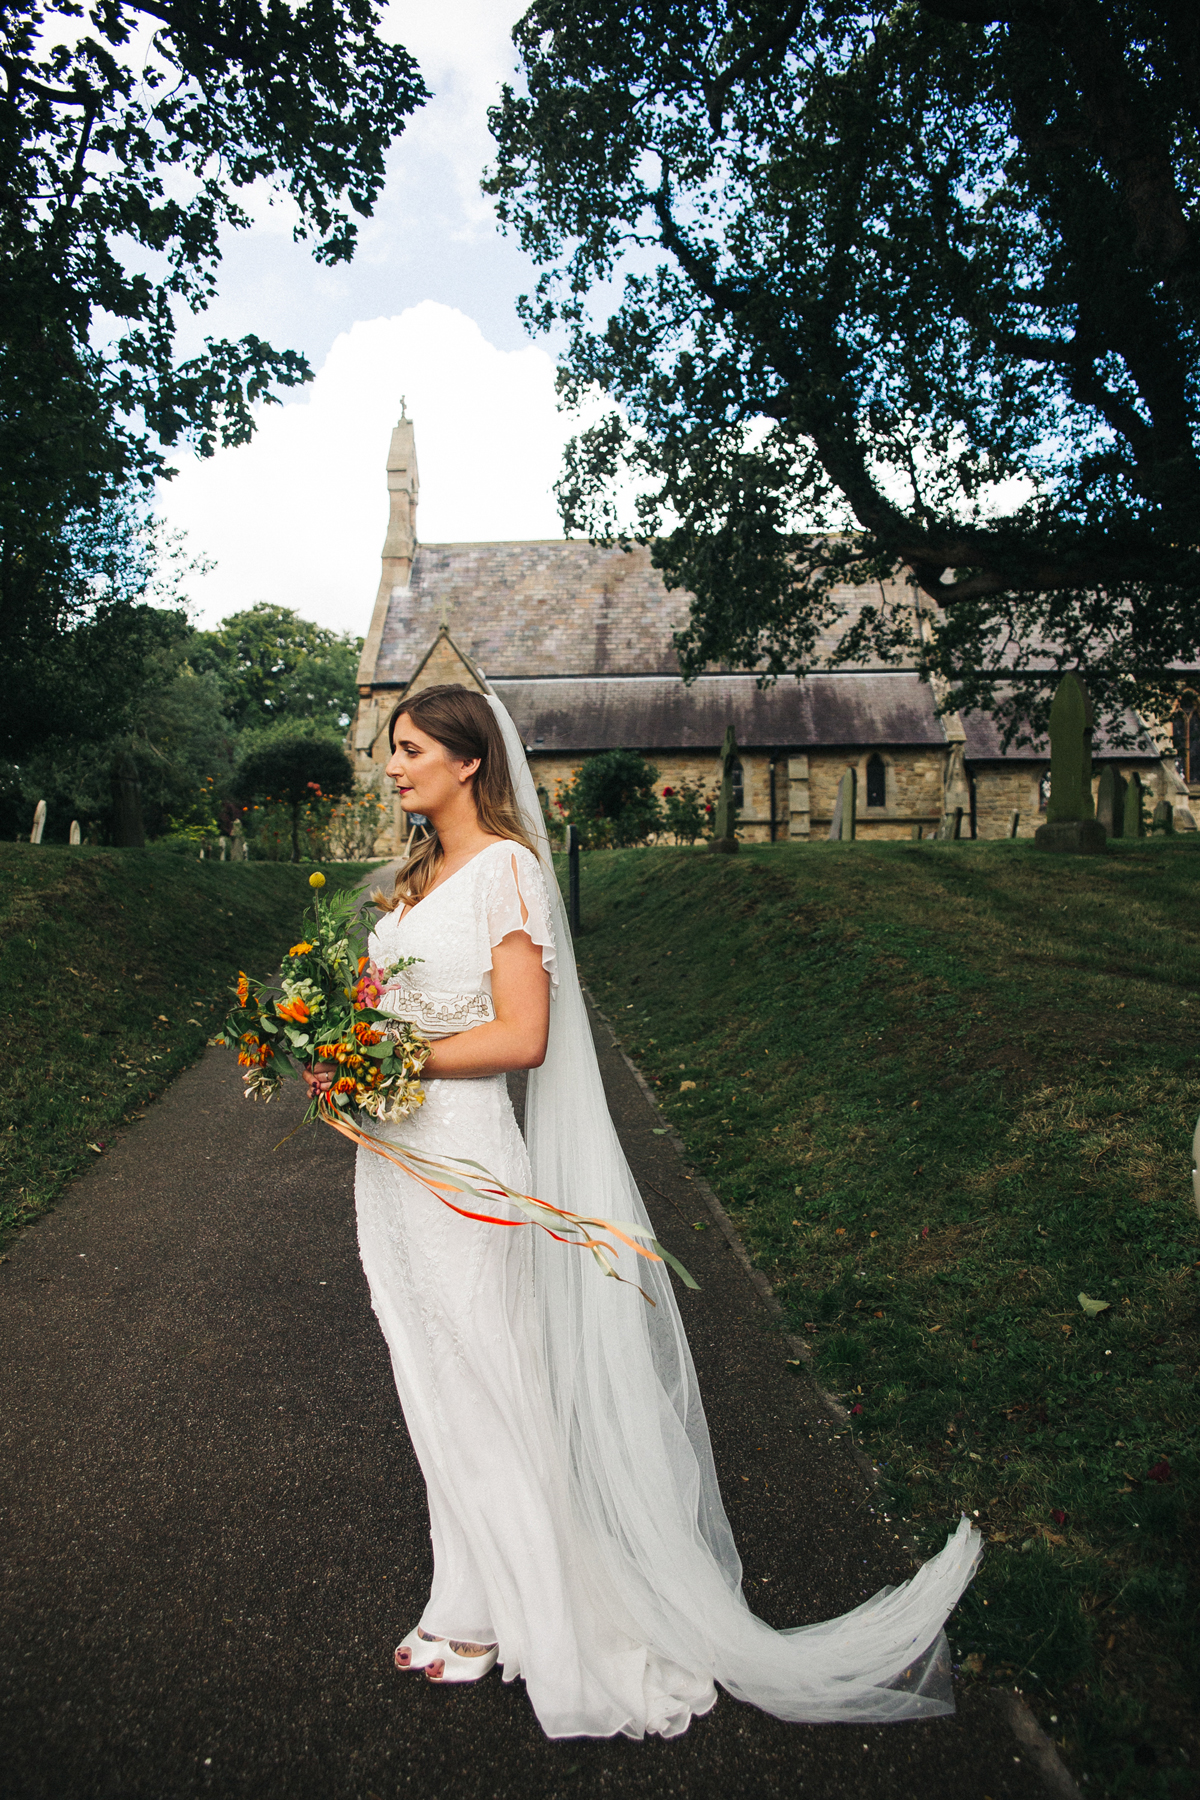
(574, 1509)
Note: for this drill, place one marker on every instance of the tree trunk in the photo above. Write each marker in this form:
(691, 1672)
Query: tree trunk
(128, 830)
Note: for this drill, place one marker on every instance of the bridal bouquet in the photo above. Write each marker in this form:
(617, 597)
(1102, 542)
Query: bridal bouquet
(323, 1008)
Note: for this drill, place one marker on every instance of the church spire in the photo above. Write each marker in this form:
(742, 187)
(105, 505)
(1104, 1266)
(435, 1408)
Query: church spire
(400, 544)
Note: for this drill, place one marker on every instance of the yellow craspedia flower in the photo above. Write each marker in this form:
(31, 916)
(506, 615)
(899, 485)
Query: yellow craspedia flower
(316, 879)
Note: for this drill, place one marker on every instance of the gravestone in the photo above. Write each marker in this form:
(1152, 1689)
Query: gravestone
(239, 849)
(39, 822)
(128, 830)
(74, 836)
(844, 825)
(1110, 801)
(1162, 823)
(724, 838)
(1071, 825)
(1134, 821)
(1016, 820)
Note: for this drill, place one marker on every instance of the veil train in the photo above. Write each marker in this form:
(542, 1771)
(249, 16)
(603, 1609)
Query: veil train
(633, 1440)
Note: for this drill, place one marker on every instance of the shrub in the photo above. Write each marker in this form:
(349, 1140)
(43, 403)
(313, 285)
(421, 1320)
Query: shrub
(611, 800)
(687, 811)
(354, 825)
(296, 772)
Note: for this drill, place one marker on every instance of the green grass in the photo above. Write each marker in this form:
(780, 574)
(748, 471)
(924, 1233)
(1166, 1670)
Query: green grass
(943, 1089)
(115, 968)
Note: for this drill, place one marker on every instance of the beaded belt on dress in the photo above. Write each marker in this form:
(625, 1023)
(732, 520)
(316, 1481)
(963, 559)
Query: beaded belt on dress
(440, 1014)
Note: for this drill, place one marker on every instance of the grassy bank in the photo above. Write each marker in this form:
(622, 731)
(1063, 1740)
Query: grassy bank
(944, 1090)
(115, 967)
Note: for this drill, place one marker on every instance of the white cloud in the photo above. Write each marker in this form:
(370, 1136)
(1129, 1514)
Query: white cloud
(465, 52)
(298, 516)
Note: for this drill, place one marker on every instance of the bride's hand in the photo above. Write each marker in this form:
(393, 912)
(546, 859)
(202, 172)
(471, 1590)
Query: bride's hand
(319, 1078)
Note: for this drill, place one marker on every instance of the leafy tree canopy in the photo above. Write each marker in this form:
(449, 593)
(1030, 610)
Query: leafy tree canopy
(82, 640)
(130, 134)
(173, 726)
(912, 287)
(275, 667)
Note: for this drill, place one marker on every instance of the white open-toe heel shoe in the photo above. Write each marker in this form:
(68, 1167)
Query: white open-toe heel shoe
(421, 1651)
(461, 1668)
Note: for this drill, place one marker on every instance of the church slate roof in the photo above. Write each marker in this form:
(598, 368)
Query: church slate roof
(541, 608)
(660, 713)
(985, 742)
(556, 607)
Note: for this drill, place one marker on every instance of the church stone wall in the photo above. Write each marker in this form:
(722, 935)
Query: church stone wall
(1004, 789)
(805, 789)
(915, 790)
(1000, 792)
(675, 768)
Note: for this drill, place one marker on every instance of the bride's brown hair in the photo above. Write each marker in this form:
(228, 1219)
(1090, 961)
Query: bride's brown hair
(463, 723)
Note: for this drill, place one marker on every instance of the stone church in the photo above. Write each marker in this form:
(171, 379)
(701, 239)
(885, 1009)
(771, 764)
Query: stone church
(576, 639)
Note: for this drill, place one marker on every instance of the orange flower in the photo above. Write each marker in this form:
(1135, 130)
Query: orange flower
(346, 1085)
(300, 949)
(362, 963)
(243, 988)
(294, 1010)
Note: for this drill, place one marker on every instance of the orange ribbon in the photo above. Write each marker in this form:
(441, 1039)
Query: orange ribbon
(411, 1163)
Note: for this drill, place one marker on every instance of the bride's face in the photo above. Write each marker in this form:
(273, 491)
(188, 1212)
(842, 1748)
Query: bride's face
(428, 779)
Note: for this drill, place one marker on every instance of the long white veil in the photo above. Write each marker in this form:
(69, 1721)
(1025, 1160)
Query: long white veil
(633, 1439)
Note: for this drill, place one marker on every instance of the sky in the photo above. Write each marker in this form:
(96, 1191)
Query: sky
(427, 311)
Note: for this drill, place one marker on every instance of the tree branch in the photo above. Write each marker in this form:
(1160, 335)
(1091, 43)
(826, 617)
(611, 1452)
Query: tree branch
(19, 77)
(1119, 109)
(716, 90)
(836, 444)
(968, 12)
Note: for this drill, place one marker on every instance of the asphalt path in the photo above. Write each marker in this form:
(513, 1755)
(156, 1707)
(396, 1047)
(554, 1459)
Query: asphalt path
(215, 1529)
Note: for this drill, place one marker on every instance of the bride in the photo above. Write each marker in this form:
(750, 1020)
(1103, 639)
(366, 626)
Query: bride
(578, 1533)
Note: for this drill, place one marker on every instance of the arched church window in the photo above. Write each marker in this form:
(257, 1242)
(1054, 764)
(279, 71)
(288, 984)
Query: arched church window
(876, 780)
(1185, 735)
(737, 777)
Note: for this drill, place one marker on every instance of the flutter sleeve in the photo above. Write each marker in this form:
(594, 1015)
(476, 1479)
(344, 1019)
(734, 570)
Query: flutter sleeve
(517, 900)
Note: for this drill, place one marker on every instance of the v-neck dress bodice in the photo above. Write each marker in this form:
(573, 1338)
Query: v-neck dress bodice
(453, 932)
